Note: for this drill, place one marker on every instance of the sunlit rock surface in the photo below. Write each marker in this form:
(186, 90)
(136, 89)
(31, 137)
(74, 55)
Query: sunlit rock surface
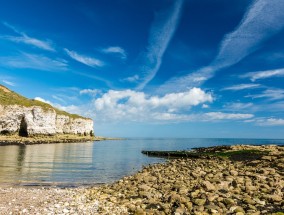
(26, 117)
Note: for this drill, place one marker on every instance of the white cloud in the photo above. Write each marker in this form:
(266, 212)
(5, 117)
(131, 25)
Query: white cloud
(262, 20)
(67, 89)
(10, 83)
(80, 110)
(238, 106)
(242, 87)
(43, 100)
(115, 50)
(192, 97)
(45, 45)
(92, 92)
(32, 61)
(192, 80)
(205, 106)
(131, 79)
(58, 98)
(264, 74)
(137, 106)
(129, 106)
(172, 117)
(24, 38)
(161, 33)
(89, 61)
(268, 121)
(274, 106)
(229, 116)
(205, 117)
(67, 97)
(272, 94)
(274, 122)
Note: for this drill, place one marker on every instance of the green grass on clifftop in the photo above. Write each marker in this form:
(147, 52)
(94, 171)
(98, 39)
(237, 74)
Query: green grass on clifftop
(8, 97)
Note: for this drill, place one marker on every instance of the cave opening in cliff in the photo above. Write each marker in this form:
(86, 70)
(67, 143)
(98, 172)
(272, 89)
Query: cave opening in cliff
(23, 131)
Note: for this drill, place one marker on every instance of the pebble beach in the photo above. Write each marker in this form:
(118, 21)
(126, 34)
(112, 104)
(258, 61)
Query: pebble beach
(211, 185)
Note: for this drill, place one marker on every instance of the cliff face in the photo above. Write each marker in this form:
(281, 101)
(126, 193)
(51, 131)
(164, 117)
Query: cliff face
(37, 120)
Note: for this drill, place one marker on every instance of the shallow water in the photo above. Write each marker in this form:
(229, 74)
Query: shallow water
(74, 164)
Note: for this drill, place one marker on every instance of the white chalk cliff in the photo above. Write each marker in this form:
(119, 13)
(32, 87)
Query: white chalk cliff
(37, 120)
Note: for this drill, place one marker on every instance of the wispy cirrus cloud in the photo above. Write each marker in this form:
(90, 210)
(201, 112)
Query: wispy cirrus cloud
(204, 117)
(229, 116)
(267, 121)
(262, 20)
(161, 33)
(107, 82)
(238, 106)
(131, 79)
(58, 98)
(116, 50)
(273, 122)
(89, 61)
(264, 74)
(10, 83)
(272, 94)
(242, 87)
(24, 38)
(92, 92)
(31, 61)
(274, 106)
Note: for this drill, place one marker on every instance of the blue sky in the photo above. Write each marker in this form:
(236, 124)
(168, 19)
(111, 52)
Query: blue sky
(151, 68)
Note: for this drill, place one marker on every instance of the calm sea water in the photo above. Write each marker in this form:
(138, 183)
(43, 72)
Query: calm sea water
(91, 163)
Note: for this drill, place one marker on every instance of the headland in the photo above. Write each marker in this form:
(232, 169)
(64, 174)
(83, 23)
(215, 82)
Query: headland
(29, 121)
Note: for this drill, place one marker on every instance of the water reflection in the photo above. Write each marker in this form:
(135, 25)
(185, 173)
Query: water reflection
(89, 163)
(21, 157)
(43, 163)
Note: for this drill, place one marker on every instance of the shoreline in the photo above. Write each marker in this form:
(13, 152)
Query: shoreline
(62, 138)
(211, 185)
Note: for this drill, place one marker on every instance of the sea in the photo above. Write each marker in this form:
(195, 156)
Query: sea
(93, 163)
